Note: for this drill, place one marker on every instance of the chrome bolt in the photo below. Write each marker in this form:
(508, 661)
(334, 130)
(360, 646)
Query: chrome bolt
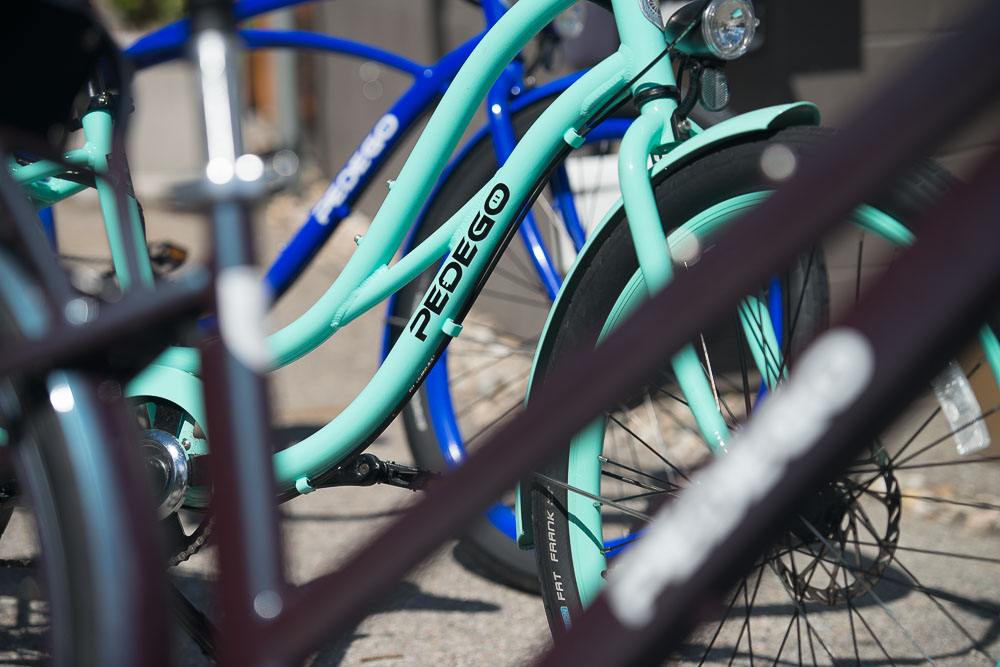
(357, 239)
(267, 604)
(186, 443)
(80, 310)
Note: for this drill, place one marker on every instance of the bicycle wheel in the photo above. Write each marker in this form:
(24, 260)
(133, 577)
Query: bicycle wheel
(87, 599)
(483, 374)
(893, 562)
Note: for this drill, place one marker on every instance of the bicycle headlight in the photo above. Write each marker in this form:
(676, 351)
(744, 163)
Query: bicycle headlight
(728, 27)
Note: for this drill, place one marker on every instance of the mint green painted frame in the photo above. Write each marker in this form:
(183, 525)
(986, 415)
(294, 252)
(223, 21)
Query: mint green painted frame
(45, 188)
(369, 276)
(472, 240)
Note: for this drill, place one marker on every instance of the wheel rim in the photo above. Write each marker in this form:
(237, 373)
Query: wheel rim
(848, 554)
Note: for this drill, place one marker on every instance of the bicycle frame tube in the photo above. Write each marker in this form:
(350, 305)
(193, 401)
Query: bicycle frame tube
(166, 44)
(440, 315)
(354, 178)
(41, 181)
(404, 202)
(474, 235)
(381, 142)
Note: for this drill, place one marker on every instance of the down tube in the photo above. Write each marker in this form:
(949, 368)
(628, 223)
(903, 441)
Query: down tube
(472, 249)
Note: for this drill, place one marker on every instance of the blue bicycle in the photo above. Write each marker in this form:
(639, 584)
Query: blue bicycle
(483, 376)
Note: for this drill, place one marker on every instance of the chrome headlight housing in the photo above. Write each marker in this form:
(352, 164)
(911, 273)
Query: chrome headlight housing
(728, 27)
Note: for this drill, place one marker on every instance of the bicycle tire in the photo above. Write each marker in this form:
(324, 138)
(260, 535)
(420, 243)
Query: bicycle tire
(104, 609)
(731, 172)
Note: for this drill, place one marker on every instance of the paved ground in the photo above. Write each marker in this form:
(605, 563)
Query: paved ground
(443, 614)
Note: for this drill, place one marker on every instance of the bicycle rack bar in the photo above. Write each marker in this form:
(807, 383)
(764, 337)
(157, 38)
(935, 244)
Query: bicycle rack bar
(330, 605)
(76, 340)
(910, 346)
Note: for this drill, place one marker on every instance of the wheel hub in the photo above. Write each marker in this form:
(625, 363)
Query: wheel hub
(841, 543)
(167, 467)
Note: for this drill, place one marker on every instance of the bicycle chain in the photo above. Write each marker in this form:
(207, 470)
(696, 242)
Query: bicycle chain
(199, 538)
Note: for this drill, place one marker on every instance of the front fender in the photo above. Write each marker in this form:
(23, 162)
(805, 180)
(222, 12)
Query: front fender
(739, 129)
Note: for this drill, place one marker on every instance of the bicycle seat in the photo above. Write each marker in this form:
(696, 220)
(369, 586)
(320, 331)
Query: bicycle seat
(53, 48)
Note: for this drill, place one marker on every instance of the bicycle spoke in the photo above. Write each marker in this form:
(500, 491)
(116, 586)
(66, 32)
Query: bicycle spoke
(970, 461)
(512, 255)
(871, 632)
(748, 606)
(744, 374)
(784, 638)
(810, 630)
(850, 617)
(944, 501)
(798, 311)
(635, 482)
(517, 280)
(872, 593)
(720, 401)
(947, 437)
(654, 422)
(647, 446)
(935, 552)
(596, 498)
(955, 599)
(945, 612)
(772, 365)
(468, 373)
(493, 422)
(492, 395)
(668, 394)
(936, 412)
(687, 428)
(722, 623)
(647, 494)
(526, 343)
(609, 461)
(857, 281)
(514, 298)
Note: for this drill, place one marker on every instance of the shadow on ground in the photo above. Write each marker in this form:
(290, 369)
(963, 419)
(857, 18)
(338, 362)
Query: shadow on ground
(407, 596)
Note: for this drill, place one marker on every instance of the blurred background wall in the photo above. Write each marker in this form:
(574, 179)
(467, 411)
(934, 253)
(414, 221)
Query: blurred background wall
(832, 53)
